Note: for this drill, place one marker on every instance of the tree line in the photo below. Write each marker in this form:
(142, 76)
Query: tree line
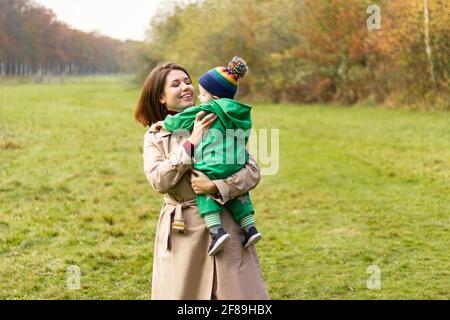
(34, 42)
(315, 50)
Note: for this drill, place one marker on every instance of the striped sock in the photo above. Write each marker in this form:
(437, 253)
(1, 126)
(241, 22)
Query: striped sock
(213, 220)
(247, 222)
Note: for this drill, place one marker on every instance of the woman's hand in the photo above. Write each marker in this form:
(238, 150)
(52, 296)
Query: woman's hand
(202, 184)
(201, 126)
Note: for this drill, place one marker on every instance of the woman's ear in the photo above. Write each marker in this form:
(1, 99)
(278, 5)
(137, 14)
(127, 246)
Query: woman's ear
(162, 100)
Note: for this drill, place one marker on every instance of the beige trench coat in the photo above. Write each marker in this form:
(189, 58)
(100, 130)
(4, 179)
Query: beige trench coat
(182, 268)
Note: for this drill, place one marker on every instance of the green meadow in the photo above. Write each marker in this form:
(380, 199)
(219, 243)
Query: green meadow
(357, 187)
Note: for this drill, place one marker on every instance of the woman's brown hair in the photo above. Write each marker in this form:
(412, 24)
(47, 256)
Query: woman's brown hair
(149, 108)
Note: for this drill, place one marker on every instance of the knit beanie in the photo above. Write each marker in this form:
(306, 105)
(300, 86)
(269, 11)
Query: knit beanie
(223, 81)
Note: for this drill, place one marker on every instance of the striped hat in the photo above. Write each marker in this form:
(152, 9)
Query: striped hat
(223, 81)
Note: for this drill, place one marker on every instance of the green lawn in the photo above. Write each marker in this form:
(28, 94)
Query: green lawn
(356, 187)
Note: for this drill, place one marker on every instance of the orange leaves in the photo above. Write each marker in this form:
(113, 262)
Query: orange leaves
(313, 50)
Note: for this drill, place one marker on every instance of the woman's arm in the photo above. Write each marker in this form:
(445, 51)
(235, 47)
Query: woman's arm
(163, 172)
(237, 184)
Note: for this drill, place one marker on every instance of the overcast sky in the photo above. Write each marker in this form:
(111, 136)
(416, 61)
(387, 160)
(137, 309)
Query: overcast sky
(120, 19)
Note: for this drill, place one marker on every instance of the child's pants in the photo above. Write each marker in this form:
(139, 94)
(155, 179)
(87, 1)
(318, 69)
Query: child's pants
(239, 207)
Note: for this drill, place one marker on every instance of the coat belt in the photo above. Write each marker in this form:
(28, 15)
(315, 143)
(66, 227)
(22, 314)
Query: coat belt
(179, 223)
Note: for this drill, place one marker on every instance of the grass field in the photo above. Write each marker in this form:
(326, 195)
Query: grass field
(356, 187)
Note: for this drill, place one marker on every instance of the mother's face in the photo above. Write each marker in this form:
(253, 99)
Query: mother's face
(178, 91)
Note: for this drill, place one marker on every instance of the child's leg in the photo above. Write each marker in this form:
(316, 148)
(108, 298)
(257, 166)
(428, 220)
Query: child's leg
(242, 210)
(210, 211)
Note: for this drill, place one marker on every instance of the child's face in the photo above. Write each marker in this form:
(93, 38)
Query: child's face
(204, 95)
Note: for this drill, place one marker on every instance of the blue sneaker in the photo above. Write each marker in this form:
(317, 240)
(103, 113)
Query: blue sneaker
(251, 237)
(218, 241)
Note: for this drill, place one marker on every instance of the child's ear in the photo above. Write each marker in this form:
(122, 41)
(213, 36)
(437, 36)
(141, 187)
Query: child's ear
(216, 97)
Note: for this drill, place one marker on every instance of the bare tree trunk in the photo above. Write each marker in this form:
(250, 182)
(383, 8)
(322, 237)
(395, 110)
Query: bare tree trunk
(427, 44)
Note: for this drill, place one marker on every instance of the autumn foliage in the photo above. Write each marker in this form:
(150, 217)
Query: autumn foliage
(33, 41)
(314, 50)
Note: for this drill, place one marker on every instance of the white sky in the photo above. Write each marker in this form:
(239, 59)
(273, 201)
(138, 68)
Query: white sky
(120, 19)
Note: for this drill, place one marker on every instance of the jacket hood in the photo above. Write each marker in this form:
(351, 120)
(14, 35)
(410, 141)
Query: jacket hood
(232, 113)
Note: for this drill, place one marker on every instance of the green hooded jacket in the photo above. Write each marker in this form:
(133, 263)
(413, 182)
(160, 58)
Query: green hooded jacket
(222, 150)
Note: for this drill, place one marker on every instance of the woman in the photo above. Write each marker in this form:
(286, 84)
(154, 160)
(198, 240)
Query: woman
(182, 268)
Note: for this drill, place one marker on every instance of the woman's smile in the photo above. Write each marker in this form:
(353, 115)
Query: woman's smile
(187, 98)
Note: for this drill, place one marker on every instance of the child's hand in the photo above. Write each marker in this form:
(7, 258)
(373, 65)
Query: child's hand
(157, 126)
(160, 124)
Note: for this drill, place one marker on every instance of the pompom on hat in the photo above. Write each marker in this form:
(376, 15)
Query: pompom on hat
(223, 81)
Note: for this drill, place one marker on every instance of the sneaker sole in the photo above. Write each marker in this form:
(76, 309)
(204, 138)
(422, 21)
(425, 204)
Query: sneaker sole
(253, 240)
(219, 245)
